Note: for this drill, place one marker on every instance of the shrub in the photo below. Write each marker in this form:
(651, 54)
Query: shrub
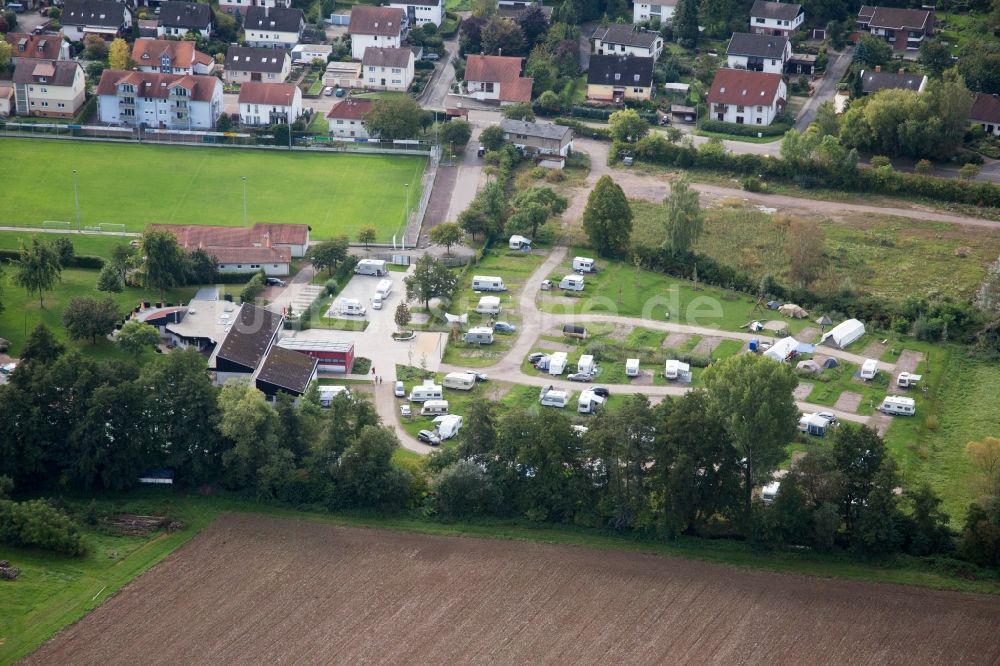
(752, 184)
(37, 524)
(601, 133)
(774, 129)
(331, 287)
(463, 489)
(539, 172)
(878, 161)
(362, 365)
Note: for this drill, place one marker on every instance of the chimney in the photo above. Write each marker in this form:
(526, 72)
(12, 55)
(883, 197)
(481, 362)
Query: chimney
(878, 68)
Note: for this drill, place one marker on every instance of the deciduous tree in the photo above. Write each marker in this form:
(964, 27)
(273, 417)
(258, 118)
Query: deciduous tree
(38, 268)
(519, 111)
(502, 36)
(86, 317)
(872, 51)
(119, 54)
(137, 336)
(607, 218)
(163, 265)
(447, 234)
(456, 132)
(402, 316)
(41, 346)
(806, 245)
(367, 236)
(627, 126)
(395, 118)
(110, 279)
(985, 458)
(684, 219)
(532, 208)
(491, 137)
(326, 256)
(430, 279)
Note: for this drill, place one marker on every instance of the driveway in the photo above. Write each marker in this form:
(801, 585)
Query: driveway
(827, 88)
(435, 94)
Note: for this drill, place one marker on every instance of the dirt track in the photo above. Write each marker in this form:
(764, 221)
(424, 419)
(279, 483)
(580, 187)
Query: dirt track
(259, 590)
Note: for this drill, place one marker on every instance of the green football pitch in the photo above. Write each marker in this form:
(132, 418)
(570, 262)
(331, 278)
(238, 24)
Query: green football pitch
(135, 185)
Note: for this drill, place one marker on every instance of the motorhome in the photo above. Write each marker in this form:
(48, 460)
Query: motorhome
(448, 425)
(480, 335)
(551, 397)
(426, 391)
(382, 291)
(434, 407)
(487, 283)
(489, 305)
(588, 402)
(462, 381)
(906, 379)
(583, 264)
(557, 363)
(572, 283)
(519, 243)
(328, 393)
(632, 367)
(769, 492)
(586, 365)
(371, 267)
(675, 369)
(898, 404)
(349, 306)
(869, 369)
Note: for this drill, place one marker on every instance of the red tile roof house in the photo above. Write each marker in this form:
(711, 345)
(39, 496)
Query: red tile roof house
(381, 27)
(44, 47)
(986, 112)
(905, 29)
(266, 246)
(269, 103)
(48, 88)
(497, 78)
(347, 119)
(746, 97)
(170, 56)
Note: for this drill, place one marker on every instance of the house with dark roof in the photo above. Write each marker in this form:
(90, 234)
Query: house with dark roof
(875, 80)
(106, 18)
(758, 53)
(269, 103)
(746, 97)
(40, 47)
(986, 112)
(619, 78)
(421, 12)
(48, 88)
(653, 11)
(347, 118)
(624, 39)
(273, 28)
(905, 29)
(170, 101)
(775, 18)
(241, 6)
(545, 140)
(171, 56)
(246, 63)
(491, 78)
(381, 27)
(179, 18)
(387, 68)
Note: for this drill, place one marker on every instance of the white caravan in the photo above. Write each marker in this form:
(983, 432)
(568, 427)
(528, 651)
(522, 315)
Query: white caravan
(632, 367)
(328, 393)
(481, 335)
(583, 264)
(557, 363)
(489, 305)
(675, 369)
(898, 405)
(448, 425)
(434, 407)
(585, 365)
(461, 381)
(350, 306)
(487, 283)
(869, 369)
(588, 402)
(551, 397)
(572, 283)
(426, 391)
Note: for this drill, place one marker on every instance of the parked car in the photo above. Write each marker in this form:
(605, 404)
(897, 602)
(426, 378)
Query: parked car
(399, 390)
(535, 357)
(328, 91)
(580, 377)
(427, 437)
(405, 410)
(481, 376)
(481, 150)
(504, 327)
(275, 282)
(431, 56)
(340, 92)
(829, 416)
(601, 391)
(546, 285)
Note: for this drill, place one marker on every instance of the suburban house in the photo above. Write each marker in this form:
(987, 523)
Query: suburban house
(246, 63)
(875, 80)
(387, 69)
(343, 74)
(249, 352)
(273, 28)
(171, 101)
(659, 10)
(6, 99)
(419, 12)
(618, 78)
(170, 56)
(41, 47)
(264, 247)
(179, 18)
(346, 119)
(241, 6)
(539, 140)
(48, 88)
(905, 29)
(304, 54)
(98, 17)
(775, 18)
(986, 112)
(381, 27)
(497, 78)
(269, 103)
(746, 97)
(758, 53)
(332, 357)
(624, 39)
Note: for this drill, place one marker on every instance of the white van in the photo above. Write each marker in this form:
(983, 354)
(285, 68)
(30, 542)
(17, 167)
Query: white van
(631, 367)
(382, 291)
(572, 283)
(462, 381)
(350, 306)
(328, 393)
(588, 402)
(550, 397)
(586, 366)
(426, 391)
(583, 264)
(489, 305)
(370, 267)
(898, 404)
(434, 407)
(480, 335)
(487, 283)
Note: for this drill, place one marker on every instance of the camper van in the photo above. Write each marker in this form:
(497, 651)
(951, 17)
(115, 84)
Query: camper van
(462, 381)
(769, 492)
(426, 391)
(550, 397)
(583, 264)
(350, 306)
(869, 369)
(480, 335)
(448, 425)
(382, 291)
(585, 365)
(632, 367)
(489, 305)
(520, 243)
(675, 369)
(572, 283)
(434, 407)
(588, 402)
(487, 283)
(898, 405)
(370, 267)
(906, 379)
(557, 363)
(328, 393)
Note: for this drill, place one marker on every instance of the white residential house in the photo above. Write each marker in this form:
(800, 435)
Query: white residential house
(346, 119)
(169, 101)
(497, 79)
(273, 28)
(304, 54)
(246, 63)
(170, 56)
(746, 97)
(269, 103)
(986, 113)
(179, 18)
(99, 17)
(420, 12)
(775, 18)
(658, 10)
(387, 69)
(624, 39)
(48, 88)
(381, 27)
(758, 53)
(241, 6)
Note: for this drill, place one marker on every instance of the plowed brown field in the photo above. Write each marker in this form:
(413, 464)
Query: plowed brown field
(257, 590)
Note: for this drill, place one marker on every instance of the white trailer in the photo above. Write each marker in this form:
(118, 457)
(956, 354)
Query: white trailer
(869, 369)
(426, 391)
(906, 380)
(572, 283)
(557, 363)
(519, 243)
(583, 264)
(551, 397)
(487, 283)
(461, 381)
(480, 335)
(448, 425)
(632, 367)
(898, 405)
(588, 402)
(371, 267)
(489, 305)
(586, 365)
(674, 369)
(434, 407)
(328, 393)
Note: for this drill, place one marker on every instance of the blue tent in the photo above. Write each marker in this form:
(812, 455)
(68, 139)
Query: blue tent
(773, 305)
(830, 362)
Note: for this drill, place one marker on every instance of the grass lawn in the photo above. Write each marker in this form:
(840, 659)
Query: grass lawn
(319, 124)
(458, 401)
(333, 193)
(832, 382)
(738, 137)
(95, 245)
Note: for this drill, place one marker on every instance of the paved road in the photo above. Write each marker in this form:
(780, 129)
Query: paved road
(435, 94)
(835, 68)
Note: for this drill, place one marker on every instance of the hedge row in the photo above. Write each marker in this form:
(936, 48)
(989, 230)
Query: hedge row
(602, 133)
(736, 129)
(604, 113)
(76, 261)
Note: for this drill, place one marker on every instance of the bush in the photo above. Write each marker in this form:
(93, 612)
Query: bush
(463, 490)
(74, 261)
(752, 184)
(362, 365)
(602, 133)
(774, 129)
(331, 287)
(37, 524)
(254, 287)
